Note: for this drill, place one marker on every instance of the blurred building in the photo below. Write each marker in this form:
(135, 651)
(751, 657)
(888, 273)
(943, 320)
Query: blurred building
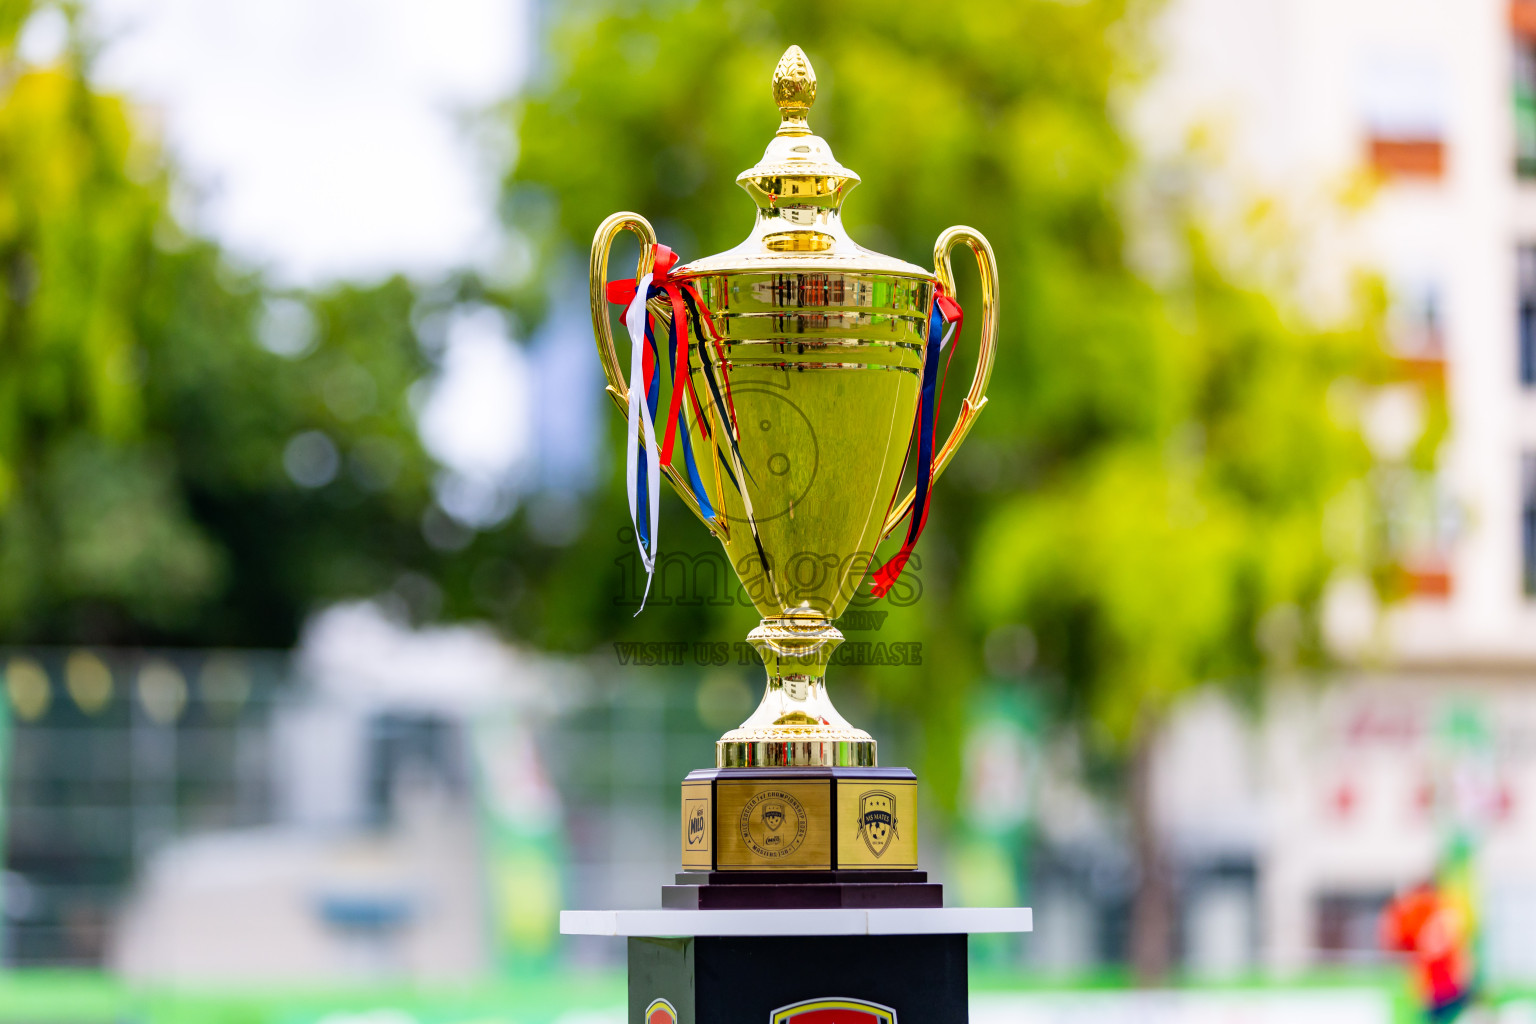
(383, 802)
(373, 805)
(373, 857)
(1396, 136)
(109, 757)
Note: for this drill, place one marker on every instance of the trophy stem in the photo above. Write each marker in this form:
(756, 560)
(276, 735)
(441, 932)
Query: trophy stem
(795, 725)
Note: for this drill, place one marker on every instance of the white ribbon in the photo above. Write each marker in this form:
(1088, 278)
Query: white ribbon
(640, 416)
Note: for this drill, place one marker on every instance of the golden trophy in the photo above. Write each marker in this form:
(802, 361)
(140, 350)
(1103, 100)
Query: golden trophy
(799, 362)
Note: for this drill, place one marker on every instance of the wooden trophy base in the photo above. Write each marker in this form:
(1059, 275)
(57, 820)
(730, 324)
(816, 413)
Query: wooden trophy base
(801, 890)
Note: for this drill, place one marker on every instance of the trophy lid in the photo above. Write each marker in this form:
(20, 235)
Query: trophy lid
(795, 151)
(799, 188)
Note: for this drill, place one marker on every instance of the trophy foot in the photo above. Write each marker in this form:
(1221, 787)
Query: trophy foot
(795, 725)
(804, 747)
(796, 787)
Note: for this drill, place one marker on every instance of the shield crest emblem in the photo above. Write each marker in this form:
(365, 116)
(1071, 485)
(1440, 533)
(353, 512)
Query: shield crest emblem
(877, 820)
(773, 816)
(660, 1012)
(833, 1011)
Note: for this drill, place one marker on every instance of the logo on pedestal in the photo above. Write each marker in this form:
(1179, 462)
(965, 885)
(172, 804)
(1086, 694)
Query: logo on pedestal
(877, 820)
(698, 828)
(833, 1011)
(660, 1012)
(773, 824)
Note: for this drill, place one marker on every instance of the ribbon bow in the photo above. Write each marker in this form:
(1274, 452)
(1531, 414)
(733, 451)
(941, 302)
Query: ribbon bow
(944, 322)
(643, 477)
(643, 473)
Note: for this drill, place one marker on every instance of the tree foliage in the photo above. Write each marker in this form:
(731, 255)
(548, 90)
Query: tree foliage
(147, 435)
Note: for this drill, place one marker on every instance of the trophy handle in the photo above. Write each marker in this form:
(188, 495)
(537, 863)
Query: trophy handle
(602, 330)
(976, 397)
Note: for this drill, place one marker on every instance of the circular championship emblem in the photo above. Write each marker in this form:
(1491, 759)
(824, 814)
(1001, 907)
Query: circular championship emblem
(773, 824)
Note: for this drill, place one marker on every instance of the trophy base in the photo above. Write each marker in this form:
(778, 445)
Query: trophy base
(779, 820)
(795, 724)
(801, 890)
(806, 747)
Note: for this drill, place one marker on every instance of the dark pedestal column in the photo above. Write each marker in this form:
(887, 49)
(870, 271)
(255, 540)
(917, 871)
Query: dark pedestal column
(823, 979)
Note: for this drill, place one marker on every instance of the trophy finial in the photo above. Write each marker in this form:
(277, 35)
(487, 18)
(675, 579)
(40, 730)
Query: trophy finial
(794, 89)
(795, 153)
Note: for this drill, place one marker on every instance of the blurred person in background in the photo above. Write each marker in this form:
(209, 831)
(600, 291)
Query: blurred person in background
(1435, 924)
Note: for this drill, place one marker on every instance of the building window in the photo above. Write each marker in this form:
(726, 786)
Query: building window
(1525, 88)
(1402, 104)
(1528, 521)
(1431, 339)
(1348, 926)
(1422, 525)
(1407, 158)
(1415, 321)
(1527, 314)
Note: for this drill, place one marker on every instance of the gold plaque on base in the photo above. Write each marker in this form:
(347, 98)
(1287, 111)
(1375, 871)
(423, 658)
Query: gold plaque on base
(774, 823)
(698, 830)
(876, 823)
(800, 819)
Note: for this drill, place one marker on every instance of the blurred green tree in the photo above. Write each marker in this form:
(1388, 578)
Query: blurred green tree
(1146, 493)
(185, 456)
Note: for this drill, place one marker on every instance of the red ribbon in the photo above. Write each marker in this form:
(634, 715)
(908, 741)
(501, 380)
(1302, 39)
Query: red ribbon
(946, 313)
(662, 282)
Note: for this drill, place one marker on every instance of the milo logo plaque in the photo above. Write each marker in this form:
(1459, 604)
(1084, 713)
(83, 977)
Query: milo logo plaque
(698, 810)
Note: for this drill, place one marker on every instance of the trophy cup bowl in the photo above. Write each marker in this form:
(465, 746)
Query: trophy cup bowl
(821, 344)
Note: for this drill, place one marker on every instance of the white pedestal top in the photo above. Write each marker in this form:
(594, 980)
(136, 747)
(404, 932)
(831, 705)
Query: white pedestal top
(884, 921)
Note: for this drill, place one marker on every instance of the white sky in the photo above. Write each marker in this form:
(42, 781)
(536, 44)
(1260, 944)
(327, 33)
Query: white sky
(478, 419)
(336, 139)
(328, 138)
